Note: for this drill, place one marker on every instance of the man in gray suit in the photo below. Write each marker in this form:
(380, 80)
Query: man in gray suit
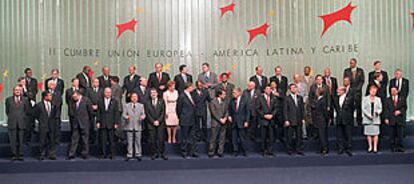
(208, 77)
(17, 108)
(134, 115)
(219, 114)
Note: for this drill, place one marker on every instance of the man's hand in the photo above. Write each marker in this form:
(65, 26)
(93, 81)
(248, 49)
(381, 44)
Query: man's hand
(95, 107)
(287, 123)
(397, 113)
(268, 116)
(142, 117)
(162, 87)
(231, 120)
(245, 124)
(116, 126)
(156, 123)
(387, 122)
(98, 125)
(223, 121)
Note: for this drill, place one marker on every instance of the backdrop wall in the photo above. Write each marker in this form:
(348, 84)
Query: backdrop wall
(46, 34)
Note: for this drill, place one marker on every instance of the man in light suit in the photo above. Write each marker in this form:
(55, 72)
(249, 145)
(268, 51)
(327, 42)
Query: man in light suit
(182, 78)
(17, 109)
(186, 114)
(219, 115)
(239, 119)
(259, 80)
(208, 78)
(80, 113)
(293, 110)
(60, 84)
(357, 79)
(155, 114)
(47, 115)
(134, 115)
(131, 81)
(107, 121)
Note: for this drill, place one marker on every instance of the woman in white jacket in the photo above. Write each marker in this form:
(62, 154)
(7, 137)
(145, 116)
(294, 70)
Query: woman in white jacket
(371, 109)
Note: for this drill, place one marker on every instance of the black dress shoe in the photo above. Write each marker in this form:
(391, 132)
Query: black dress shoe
(340, 152)
(70, 158)
(235, 154)
(41, 158)
(139, 159)
(20, 158)
(85, 157)
(300, 153)
(195, 155)
(271, 154)
(290, 153)
(210, 156)
(220, 155)
(164, 157)
(52, 157)
(13, 158)
(349, 153)
(127, 159)
(153, 157)
(324, 152)
(111, 157)
(244, 154)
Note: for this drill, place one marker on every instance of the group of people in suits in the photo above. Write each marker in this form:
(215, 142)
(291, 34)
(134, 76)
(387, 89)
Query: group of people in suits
(152, 110)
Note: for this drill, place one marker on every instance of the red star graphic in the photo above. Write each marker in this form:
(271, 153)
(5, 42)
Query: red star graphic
(342, 15)
(228, 8)
(126, 26)
(262, 30)
(1, 91)
(412, 14)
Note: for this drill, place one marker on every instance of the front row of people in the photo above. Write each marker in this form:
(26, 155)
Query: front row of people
(226, 115)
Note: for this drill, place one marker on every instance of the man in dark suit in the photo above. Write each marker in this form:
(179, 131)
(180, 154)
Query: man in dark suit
(266, 112)
(57, 102)
(182, 78)
(384, 81)
(401, 83)
(186, 115)
(80, 113)
(95, 94)
(219, 115)
(357, 78)
(105, 78)
(395, 117)
(201, 97)
(158, 80)
(142, 91)
(85, 80)
(60, 84)
(47, 115)
(108, 119)
(259, 80)
(317, 85)
(239, 119)
(131, 81)
(281, 81)
(293, 110)
(320, 117)
(252, 94)
(332, 85)
(155, 114)
(31, 84)
(225, 85)
(17, 109)
(344, 104)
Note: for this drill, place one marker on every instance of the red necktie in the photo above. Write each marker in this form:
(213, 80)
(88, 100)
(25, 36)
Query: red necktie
(268, 101)
(17, 102)
(395, 101)
(159, 77)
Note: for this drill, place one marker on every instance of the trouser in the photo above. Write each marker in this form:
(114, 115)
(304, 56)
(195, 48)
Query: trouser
(28, 132)
(188, 139)
(106, 135)
(308, 121)
(79, 134)
(397, 135)
(156, 139)
(16, 137)
(267, 138)
(219, 132)
(57, 131)
(201, 129)
(358, 106)
(47, 142)
(344, 136)
(252, 130)
(92, 132)
(278, 129)
(294, 138)
(134, 143)
(323, 137)
(239, 140)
